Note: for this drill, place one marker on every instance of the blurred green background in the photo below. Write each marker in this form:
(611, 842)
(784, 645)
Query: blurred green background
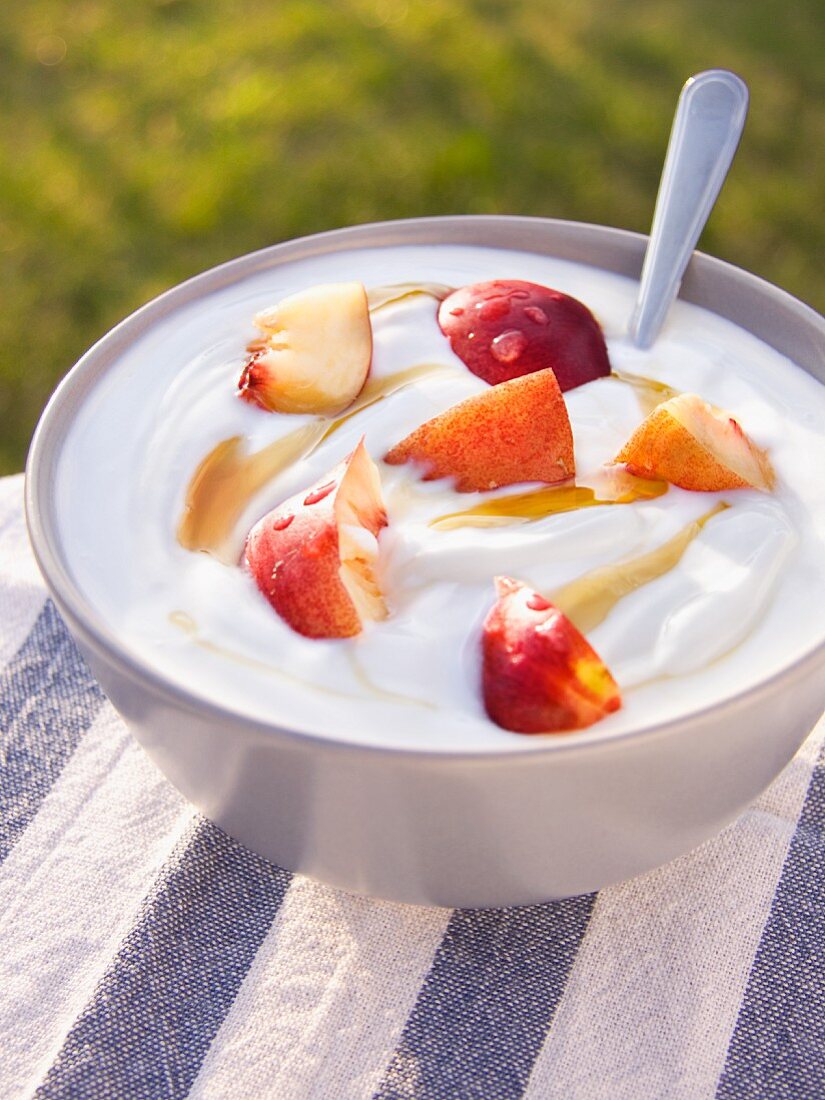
(143, 142)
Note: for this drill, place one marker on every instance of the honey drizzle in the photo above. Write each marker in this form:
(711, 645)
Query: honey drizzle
(649, 391)
(588, 600)
(380, 296)
(364, 680)
(376, 389)
(618, 487)
(184, 621)
(227, 479)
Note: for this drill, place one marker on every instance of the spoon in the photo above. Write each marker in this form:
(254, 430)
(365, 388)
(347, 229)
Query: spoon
(706, 130)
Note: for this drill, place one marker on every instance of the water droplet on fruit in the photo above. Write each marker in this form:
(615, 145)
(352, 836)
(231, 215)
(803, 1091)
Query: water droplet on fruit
(319, 493)
(533, 313)
(457, 312)
(508, 346)
(538, 603)
(282, 523)
(493, 309)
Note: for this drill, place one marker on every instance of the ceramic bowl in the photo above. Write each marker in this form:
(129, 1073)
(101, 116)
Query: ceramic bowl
(448, 828)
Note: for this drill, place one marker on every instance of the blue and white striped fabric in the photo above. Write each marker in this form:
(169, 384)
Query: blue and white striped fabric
(143, 953)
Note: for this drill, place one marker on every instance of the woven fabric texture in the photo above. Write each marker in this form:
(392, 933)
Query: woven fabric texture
(145, 954)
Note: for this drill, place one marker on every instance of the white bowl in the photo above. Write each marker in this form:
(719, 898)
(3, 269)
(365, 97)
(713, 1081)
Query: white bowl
(451, 828)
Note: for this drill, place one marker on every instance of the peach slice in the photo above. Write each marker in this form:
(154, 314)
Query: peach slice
(313, 556)
(539, 674)
(693, 445)
(508, 327)
(518, 431)
(315, 351)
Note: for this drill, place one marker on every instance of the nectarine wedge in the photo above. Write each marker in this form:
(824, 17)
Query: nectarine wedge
(693, 445)
(539, 673)
(315, 351)
(313, 556)
(505, 328)
(518, 431)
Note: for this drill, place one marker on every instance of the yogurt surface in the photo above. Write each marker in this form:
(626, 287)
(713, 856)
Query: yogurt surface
(743, 601)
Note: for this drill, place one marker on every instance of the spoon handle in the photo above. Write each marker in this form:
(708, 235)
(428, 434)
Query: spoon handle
(706, 130)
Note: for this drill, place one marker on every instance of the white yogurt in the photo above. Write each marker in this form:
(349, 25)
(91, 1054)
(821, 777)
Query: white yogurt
(746, 598)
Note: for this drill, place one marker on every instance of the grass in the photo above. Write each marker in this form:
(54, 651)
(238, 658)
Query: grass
(142, 143)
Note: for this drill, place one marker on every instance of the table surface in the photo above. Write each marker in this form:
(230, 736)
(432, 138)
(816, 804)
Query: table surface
(147, 954)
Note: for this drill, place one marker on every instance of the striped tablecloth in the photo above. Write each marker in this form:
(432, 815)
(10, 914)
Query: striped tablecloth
(143, 953)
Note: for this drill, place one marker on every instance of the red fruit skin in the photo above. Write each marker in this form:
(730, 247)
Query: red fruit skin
(296, 566)
(549, 329)
(252, 383)
(518, 432)
(533, 659)
(293, 555)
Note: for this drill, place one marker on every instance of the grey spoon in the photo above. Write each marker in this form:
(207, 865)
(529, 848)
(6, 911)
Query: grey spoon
(706, 130)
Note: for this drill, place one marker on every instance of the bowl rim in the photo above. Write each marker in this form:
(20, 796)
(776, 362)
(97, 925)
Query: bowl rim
(90, 624)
